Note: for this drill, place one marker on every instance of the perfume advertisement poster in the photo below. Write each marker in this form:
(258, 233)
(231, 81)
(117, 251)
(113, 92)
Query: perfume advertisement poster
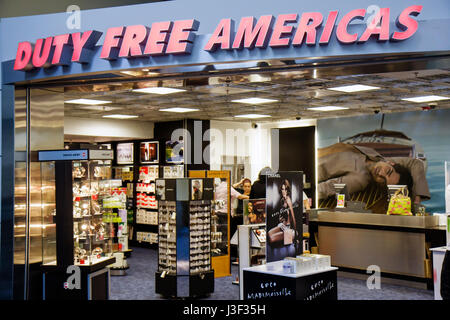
(284, 211)
(125, 153)
(149, 152)
(254, 211)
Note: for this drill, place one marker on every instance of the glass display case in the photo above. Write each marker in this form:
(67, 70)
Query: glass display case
(92, 199)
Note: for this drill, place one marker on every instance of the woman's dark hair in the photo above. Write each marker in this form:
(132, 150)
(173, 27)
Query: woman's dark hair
(405, 176)
(287, 185)
(246, 180)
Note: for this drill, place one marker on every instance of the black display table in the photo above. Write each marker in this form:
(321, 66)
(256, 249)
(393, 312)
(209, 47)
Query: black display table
(270, 283)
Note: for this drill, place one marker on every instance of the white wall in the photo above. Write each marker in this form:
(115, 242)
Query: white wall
(108, 128)
(229, 138)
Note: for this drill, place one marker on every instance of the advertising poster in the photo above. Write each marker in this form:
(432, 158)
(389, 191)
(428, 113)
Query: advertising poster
(284, 215)
(175, 151)
(402, 148)
(254, 211)
(149, 152)
(125, 153)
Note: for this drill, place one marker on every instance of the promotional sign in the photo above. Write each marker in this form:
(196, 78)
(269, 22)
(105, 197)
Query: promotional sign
(284, 210)
(54, 155)
(125, 153)
(101, 154)
(254, 211)
(340, 201)
(174, 151)
(149, 152)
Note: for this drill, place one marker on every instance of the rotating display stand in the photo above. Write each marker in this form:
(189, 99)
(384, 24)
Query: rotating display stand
(184, 246)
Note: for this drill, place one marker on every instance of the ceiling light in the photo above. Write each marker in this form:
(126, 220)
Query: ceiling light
(252, 116)
(179, 110)
(425, 99)
(99, 108)
(327, 108)
(120, 116)
(159, 90)
(354, 88)
(254, 100)
(87, 101)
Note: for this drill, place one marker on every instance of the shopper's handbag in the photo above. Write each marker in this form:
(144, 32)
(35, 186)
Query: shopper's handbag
(400, 203)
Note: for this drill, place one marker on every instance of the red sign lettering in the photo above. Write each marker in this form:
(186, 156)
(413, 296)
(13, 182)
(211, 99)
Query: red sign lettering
(328, 29)
(110, 49)
(133, 40)
(221, 36)
(405, 23)
(281, 29)
(304, 26)
(341, 32)
(177, 37)
(83, 45)
(248, 36)
(23, 56)
(158, 38)
(379, 25)
(182, 39)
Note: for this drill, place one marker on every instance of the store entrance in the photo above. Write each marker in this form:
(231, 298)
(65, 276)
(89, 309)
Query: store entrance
(241, 121)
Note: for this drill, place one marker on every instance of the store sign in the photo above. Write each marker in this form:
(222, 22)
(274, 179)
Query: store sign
(56, 155)
(178, 37)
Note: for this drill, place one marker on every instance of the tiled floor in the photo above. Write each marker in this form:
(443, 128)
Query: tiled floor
(139, 284)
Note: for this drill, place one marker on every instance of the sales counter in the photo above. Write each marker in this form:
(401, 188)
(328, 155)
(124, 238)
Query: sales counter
(398, 245)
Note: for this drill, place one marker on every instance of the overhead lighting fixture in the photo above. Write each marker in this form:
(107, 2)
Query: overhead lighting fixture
(252, 116)
(425, 99)
(159, 90)
(99, 108)
(179, 110)
(354, 88)
(254, 100)
(87, 101)
(120, 116)
(327, 108)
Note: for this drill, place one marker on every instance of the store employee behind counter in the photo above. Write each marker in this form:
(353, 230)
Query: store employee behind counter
(358, 167)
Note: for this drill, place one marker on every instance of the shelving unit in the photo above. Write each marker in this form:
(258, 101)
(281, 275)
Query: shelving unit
(220, 222)
(147, 205)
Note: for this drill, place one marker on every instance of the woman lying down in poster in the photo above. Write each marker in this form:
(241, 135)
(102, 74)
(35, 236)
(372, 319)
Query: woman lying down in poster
(359, 166)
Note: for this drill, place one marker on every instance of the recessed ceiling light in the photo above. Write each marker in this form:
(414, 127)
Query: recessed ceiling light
(254, 100)
(354, 88)
(120, 116)
(87, 101)
(179, 110)
(327, 108)
(99, 108)
(159, 90)
(252, 116)
(425, 99)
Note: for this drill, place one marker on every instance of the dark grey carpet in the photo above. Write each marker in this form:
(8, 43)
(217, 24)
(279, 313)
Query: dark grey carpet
(139, 284)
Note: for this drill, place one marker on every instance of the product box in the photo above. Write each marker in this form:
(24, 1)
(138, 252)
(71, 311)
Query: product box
(319, 261)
